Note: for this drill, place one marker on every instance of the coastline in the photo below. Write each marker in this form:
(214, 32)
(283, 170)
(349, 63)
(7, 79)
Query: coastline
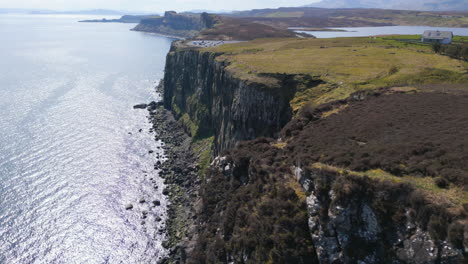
(180, 174)
(160, 34)
(220, 201)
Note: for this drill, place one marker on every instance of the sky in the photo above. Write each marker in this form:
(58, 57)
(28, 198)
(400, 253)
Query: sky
(151, 5)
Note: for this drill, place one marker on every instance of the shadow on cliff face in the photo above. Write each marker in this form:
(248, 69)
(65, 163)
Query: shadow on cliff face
(212, 101)
(254, 210)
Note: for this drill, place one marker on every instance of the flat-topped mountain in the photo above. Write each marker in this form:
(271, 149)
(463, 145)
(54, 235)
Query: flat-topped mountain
(209, 27)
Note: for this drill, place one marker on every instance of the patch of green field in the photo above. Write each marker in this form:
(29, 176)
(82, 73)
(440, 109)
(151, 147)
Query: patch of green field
(345, 65)
(202, 150)
(186, 122)
(460, 39)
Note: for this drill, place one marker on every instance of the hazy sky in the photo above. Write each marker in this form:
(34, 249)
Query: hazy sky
(151, 5)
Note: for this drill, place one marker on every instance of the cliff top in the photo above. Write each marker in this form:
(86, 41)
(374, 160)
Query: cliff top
(227, 28)
(344, 65)
(210, 27)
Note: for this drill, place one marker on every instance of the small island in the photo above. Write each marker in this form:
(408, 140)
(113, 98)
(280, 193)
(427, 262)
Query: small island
(123, 19)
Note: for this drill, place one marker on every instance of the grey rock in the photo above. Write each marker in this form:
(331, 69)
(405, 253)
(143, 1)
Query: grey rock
(231, 100)
(166, 244)
(140, 106)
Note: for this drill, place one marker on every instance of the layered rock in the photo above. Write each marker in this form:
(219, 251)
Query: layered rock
(354, 229)
(350, 219)
(247, 198)
(174, 24)
(219, 104)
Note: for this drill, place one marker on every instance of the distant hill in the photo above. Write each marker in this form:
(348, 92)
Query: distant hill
(353, 17)
(174, 24)
(20, 10)
(209, 27)
(123, 19)
(81, 12)
(429, 5)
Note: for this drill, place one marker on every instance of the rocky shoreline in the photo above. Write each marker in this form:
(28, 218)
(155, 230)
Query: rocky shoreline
(180, 174)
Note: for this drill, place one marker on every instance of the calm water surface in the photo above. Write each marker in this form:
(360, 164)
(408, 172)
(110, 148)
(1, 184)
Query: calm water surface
(390, 30)
(71, 154)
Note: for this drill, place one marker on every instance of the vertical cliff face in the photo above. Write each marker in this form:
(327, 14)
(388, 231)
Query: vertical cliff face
(259, 205)
(181, 25)
(211, 101)
(348, 218)
(354, 219)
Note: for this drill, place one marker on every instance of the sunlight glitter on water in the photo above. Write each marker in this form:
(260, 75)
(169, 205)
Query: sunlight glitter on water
(71, 152)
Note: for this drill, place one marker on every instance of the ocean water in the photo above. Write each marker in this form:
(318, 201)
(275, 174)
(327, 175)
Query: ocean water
(71, 154)
(387, 30)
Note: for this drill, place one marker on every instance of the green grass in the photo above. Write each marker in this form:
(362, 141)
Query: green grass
(345, 65)
(460, 39)
(202, 150)
(189, 125)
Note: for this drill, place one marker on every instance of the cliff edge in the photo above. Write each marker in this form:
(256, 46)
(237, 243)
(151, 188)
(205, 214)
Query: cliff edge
(320, 151)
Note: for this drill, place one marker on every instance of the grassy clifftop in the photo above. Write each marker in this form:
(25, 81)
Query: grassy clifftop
(343, 65)
(380, 127)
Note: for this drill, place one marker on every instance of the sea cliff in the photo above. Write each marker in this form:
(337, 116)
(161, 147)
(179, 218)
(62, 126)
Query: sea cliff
(174, 24)
(340, 181)
(211, 101)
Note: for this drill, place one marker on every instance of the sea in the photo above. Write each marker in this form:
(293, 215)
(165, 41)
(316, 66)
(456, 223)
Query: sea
(73, 151)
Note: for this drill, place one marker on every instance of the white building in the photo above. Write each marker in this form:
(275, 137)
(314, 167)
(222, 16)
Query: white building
(442, 37)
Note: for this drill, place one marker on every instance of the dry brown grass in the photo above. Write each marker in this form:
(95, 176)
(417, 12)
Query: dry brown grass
(345, 65)
(454, 195)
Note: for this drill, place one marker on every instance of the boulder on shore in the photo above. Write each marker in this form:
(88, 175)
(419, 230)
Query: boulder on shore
(140, 106)
(154, 105)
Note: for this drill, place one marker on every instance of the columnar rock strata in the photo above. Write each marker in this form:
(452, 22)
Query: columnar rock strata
(219, 104)
(259, 205)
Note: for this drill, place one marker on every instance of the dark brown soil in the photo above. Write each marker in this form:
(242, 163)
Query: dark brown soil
(242, 29)
(424, 133)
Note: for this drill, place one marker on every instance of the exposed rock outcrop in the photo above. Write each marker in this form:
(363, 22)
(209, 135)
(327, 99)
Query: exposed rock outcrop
(174, 24)
(355, 230)
(217, 103)
(257, 205)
